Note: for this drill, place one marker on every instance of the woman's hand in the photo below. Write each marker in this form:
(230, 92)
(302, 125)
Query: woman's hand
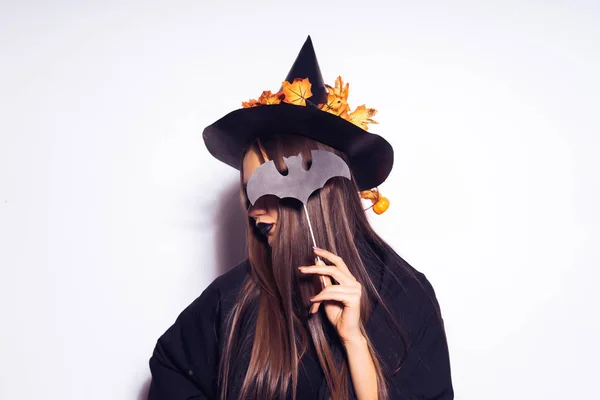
(342, 302)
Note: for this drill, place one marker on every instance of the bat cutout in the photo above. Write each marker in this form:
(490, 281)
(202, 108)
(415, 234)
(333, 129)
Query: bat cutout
(298, 183)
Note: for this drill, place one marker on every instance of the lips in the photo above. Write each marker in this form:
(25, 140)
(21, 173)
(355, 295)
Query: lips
(264, 228)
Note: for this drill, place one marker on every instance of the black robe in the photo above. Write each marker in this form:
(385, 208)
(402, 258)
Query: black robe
(184, 364)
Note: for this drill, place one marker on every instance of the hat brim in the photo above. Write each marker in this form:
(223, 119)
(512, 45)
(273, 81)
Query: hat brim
(371, 156)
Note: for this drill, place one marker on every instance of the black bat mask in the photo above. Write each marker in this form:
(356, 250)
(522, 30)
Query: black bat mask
(298, 183)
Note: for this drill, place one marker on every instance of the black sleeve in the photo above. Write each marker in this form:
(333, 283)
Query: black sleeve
(184, 362)
(425, 373)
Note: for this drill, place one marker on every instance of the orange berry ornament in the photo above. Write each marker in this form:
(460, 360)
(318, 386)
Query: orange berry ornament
(382, 204)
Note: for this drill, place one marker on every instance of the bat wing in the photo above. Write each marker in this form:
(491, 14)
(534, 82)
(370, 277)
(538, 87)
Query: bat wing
(325, 165)
(298, 183)
(265, 180)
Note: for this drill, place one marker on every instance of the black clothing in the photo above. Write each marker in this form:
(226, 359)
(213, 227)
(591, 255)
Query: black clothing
(185, 360)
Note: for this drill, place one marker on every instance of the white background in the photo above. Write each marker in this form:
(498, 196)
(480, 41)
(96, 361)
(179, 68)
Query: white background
(114, 216)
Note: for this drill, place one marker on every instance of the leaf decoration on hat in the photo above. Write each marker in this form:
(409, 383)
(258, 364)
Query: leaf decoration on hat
(361, 116)
(296, 92)
(337, 99)
(339, 89)
(250, 103)
(379, 203)
(270, 98)
(369, 194)
(265, 98)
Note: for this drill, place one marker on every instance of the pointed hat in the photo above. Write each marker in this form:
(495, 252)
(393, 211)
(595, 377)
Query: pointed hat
(371, 156)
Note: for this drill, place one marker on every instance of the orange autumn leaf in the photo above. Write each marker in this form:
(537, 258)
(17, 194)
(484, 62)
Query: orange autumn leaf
(370, 194)
(270, 98)
(361, 116)
(339, 90)
(249, 103)
(337, 99)
(335, 105)
(296, 92)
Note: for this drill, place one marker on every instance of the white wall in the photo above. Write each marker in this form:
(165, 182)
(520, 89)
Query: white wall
(113, 215)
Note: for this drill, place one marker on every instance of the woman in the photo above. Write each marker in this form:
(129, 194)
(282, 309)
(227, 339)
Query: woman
(373, 329)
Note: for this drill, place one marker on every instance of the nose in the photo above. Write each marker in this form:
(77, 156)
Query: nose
(256, 210)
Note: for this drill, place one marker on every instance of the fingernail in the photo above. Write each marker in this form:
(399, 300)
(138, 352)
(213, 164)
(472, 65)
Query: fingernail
(316, 248)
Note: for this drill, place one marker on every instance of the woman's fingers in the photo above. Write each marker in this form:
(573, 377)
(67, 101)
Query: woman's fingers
(335, 259)
(324, 280)
(315, 307)
(353, 289)
(350, 296)
(339, 272)
(330, 270)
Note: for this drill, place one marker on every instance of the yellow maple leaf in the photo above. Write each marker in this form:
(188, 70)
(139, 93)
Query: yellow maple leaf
(335, 105)
(339, 89)
(337, 99)
(270, 98)
(361, 116)
(296, 92)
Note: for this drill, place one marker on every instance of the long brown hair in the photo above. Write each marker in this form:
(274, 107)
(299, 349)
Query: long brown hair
(280, 293)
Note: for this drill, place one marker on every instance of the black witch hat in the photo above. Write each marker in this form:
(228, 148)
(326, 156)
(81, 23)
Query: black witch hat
(371, 156)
